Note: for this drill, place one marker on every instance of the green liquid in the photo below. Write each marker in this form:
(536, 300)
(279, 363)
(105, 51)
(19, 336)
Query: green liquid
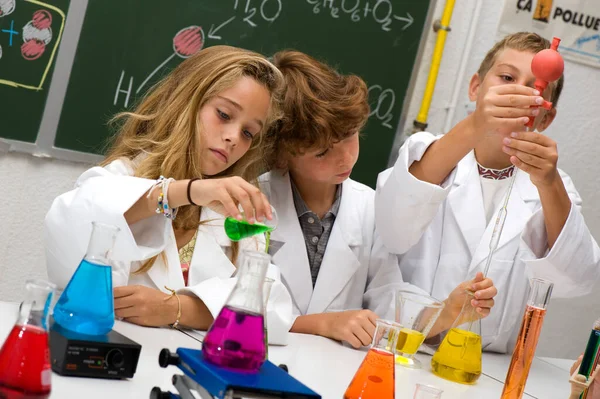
(239, 229)
(267, 241)
(592, 351)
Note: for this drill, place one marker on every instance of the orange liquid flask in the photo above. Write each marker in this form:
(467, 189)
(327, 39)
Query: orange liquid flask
(376, 378)
(531, 326)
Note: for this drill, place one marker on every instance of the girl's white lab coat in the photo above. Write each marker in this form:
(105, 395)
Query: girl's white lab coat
(357, 272)
(103, 195)
(442, 232)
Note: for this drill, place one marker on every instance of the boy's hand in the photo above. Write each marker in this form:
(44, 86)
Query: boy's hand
(594, 389)
(535, 154)
(353, 326)
(505, 108)
(482, 300)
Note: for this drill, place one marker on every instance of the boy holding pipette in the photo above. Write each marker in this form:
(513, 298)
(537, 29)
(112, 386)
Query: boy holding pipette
(437, 206)
(340, 276)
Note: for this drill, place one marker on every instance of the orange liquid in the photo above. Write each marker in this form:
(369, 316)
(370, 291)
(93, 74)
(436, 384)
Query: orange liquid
(375, 379)
(524, 352)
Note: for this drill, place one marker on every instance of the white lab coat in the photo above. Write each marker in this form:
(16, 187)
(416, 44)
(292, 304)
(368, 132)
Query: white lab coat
(104, 194)
(357, 272)
(441, 232)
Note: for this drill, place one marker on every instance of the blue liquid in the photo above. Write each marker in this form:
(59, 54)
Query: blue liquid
(86, 306)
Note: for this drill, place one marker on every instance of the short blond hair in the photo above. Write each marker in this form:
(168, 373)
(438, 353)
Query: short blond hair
(521, 41)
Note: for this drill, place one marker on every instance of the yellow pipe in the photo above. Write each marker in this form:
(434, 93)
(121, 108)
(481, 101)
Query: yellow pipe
(435, 62)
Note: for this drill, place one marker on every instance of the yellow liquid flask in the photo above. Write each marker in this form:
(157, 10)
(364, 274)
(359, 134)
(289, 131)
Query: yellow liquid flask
(458, 358)
(416, 313)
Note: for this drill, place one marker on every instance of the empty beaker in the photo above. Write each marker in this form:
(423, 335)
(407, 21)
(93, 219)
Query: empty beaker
(427, 392)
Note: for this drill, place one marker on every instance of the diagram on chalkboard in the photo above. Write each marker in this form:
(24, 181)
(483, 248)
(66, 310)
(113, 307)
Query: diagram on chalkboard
(186, 42)
(37, 34)
(7, 7)
(30, 51)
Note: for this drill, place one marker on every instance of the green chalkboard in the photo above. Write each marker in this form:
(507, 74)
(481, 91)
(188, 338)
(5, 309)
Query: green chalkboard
(127, 45)
(30, 34)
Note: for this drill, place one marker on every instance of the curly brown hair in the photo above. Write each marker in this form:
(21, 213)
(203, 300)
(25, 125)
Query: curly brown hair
(320, 105)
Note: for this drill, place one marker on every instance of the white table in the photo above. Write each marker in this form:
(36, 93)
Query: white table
(322, 364)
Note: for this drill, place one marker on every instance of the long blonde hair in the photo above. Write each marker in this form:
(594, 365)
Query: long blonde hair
(164, 129)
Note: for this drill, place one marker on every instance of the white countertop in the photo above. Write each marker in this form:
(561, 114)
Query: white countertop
(323, 365)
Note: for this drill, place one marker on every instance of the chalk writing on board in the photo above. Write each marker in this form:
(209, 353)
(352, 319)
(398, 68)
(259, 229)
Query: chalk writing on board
(212, 31)
(382, 110)
(268, 10)
(381, 11)
(32, 41)
(191, 40)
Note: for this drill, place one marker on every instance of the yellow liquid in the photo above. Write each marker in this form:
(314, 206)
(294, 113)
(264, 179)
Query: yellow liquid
(458, 358)
(409, 341)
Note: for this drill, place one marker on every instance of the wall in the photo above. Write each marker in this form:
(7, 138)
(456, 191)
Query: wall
(30, 184)
(574, 129)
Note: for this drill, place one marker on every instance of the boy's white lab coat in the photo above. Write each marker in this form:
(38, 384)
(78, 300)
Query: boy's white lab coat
(442, 232)
(103, 195)
(357, 272)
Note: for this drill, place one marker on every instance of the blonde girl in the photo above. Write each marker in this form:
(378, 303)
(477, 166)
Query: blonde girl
(189, 150)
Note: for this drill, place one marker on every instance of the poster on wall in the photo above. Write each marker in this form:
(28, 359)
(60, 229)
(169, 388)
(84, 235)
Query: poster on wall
(576, 22)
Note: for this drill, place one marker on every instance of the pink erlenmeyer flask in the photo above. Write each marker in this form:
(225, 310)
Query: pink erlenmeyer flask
(25, 357)
(236, 338)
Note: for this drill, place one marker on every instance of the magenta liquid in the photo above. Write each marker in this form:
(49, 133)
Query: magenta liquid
(236, 340)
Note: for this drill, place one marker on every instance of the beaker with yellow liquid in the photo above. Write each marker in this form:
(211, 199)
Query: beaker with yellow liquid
(458, 358)
(416, 313)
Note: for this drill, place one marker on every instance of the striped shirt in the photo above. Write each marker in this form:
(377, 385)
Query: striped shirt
(316, 231)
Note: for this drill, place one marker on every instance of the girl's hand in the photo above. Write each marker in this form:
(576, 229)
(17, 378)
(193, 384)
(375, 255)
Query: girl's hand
(145, 306)
(223, 195)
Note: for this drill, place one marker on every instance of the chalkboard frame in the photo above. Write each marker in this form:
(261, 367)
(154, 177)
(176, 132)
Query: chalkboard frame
(44, 147)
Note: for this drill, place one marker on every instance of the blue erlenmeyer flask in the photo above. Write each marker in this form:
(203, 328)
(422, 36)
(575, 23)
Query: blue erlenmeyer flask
(86, 305)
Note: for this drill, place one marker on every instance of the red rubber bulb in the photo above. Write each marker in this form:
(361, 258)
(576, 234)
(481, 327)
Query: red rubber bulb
(547, 65)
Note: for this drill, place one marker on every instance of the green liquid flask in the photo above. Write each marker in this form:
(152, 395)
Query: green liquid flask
(237, 230)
